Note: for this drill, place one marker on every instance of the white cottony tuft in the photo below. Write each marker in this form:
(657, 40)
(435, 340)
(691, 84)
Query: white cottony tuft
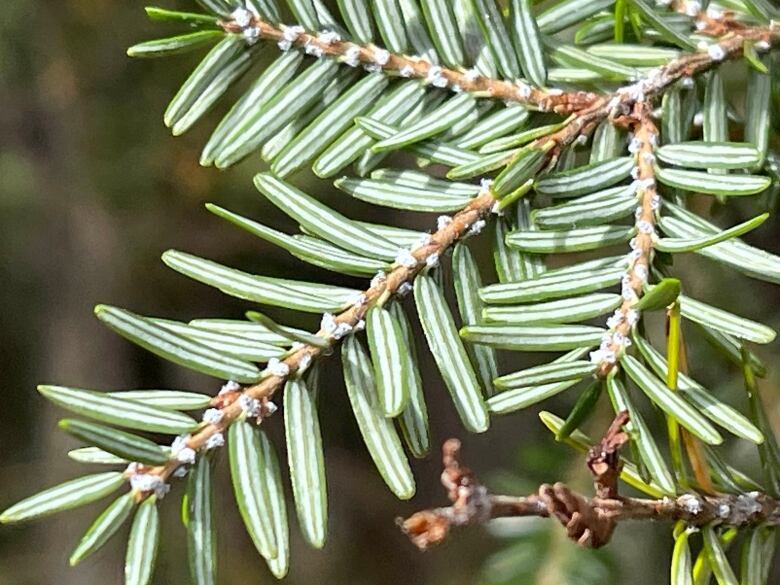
(644, 226)
(212, 416)
(328, 322)
(406, 71)
(443, 221)
(381, 56)
(476, 227)
(352, 56)
(436, 77)
(242, 17)
(524, 88)
(690, 503)
(692, 7)
(329, 37)
(471, 75)
(404, 289)
(251, 35)
(214, 441)
(230, 386)
(603, 356)
(147, 483)
(406, 258)
(250, 406)
(278, 367)
(313, 49)
(432, 261)
(378, 279)
(716, 52)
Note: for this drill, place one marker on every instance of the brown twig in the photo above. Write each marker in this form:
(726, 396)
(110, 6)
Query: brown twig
(588, 521)
(377, 58)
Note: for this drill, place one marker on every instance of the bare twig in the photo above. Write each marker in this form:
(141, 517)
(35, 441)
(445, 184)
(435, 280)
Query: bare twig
(588, 521)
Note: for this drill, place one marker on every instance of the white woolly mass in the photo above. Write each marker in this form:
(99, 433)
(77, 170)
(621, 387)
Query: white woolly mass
(378, 279)
(147, 482)
(352, 56)
(603, 355)
(251, 35)
(436, 77)
(524, 89)
(242, 17)
(716, 52)
(471, 75)
(214, 441)
(690, 503)
(230, 386)
(381, 56)
(443, 221)
(251, 407)
(404, 289)
(406, 71)
(313, 49)
(406, 258)
(213, 416)
(477, 227)
(278, 367)
(329, 37)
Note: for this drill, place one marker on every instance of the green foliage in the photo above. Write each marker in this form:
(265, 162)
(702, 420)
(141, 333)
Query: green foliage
(497, 95)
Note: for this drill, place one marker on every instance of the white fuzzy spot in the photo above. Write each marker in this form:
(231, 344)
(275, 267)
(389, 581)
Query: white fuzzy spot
(251, 35)
(213, 416)
(278, 367)
(443, 221)
(381, 57)
(242, 17)
(406, 71)
(716, 52)
(644, 226)
(329, 37)
(352, 56)
(476, 227)
(603, 356)
(471, 75)
(436, 77)
(214, 441)
(313, 49)
(404, 289)
(250, 406)
(406, 258)
(692, 8)
(432, 261)
(690, 503)
(378, 279)
(230, 386)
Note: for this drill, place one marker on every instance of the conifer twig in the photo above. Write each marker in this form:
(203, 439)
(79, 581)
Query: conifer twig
(588, 521)
(628, 106)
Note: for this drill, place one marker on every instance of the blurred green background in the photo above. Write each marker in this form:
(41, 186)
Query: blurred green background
(93, 188)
